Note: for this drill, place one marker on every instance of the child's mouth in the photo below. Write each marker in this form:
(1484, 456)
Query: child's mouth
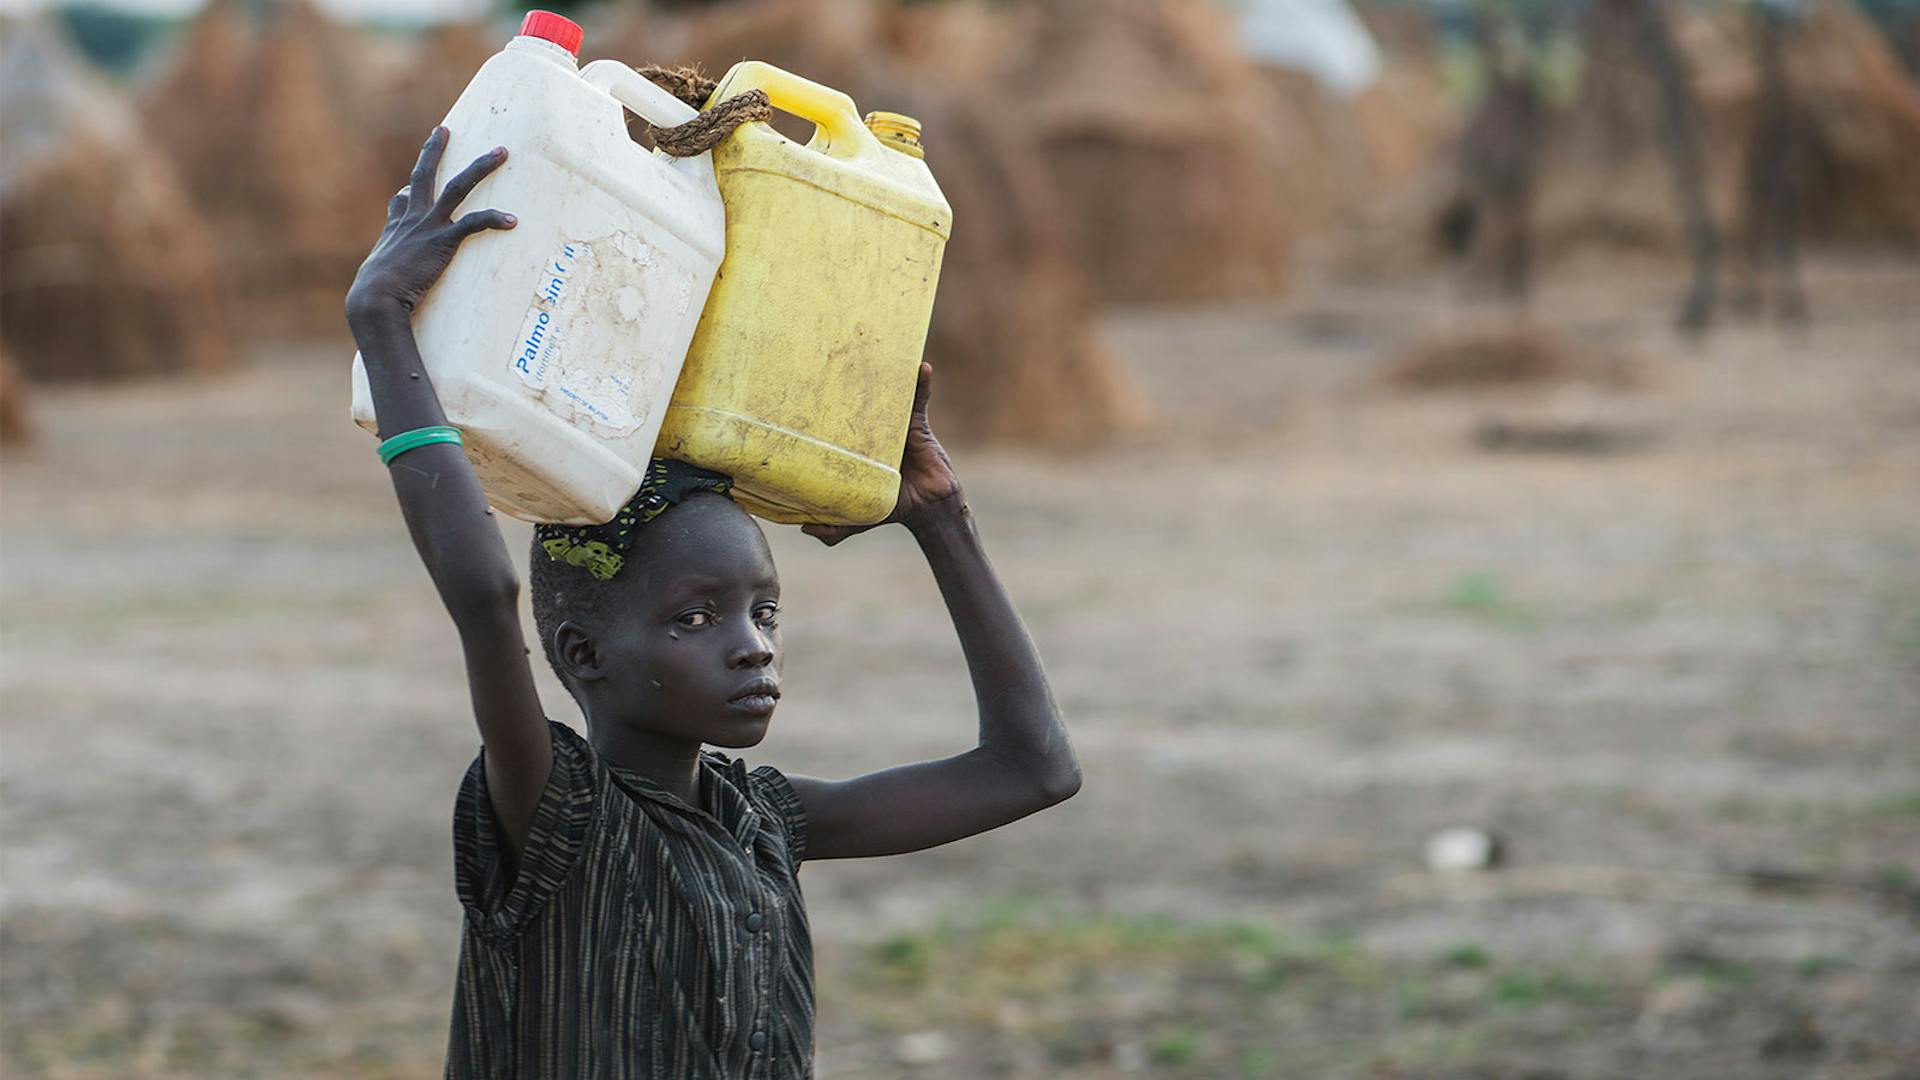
(758, 696)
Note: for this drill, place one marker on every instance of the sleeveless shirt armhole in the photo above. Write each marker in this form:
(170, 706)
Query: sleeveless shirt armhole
(778, 792)
(560, 828)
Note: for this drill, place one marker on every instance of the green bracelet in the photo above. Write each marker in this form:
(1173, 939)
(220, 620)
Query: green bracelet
(418, 437)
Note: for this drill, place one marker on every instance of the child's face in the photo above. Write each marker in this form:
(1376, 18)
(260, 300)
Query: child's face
(697, 653)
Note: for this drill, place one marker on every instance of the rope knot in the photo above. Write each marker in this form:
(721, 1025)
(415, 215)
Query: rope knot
(705, 131)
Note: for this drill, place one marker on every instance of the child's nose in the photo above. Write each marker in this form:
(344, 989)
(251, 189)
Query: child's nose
(753, 650)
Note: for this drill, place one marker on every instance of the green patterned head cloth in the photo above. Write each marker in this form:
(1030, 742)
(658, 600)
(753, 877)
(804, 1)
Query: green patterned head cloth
(601, 550)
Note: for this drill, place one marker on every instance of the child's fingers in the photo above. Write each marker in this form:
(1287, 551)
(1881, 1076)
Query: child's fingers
(420, 193)
(828, 534)
(923, 390)
(482, 220)
(461, 186)
(397, 205)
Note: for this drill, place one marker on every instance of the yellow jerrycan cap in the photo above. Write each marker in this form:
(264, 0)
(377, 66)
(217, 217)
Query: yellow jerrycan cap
(902, 133)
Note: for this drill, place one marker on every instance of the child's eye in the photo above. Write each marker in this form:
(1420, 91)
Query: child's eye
(696, 619)
(766, 613)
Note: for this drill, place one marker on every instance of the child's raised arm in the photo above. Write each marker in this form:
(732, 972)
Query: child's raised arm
(446, 513)
(1023, 762)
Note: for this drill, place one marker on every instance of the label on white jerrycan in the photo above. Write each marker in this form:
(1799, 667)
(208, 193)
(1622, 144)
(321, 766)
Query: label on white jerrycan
(555, 345)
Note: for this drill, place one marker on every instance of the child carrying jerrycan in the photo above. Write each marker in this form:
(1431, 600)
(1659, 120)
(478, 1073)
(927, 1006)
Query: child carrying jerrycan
(631, 901)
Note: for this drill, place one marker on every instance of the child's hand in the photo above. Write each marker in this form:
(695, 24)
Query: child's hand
(927, 484)
(421, 236)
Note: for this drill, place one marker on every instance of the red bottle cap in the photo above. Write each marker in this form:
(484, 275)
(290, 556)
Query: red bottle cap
(558, 29)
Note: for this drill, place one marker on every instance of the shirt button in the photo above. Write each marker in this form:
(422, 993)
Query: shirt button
(754, 922)
(758, 1040)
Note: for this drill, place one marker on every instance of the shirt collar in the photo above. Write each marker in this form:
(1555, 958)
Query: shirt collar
(724, 788)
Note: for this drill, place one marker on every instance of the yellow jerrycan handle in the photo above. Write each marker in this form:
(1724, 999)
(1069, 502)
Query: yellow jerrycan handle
(832, 112)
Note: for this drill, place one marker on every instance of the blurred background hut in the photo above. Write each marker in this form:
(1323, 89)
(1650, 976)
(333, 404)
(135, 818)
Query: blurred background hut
(16, 414)
(1861, 121)
(257, 108)
(107, 267)
(1150, 119)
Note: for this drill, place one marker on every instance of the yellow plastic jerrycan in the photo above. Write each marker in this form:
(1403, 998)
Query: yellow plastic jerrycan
(800, 378)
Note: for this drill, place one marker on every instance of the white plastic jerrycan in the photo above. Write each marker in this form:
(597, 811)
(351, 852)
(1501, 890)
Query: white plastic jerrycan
(555, 345)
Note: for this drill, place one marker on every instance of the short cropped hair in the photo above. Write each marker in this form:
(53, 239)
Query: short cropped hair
(562, 592)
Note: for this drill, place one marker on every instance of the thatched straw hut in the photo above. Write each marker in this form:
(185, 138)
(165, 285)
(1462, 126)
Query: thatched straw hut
(16, 419)
(261, 123)
(1152, 123)
(964, 43)
(1862, 117)
(192, 114)
(106, 269)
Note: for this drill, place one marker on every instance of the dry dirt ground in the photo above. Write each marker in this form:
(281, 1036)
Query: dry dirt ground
(1298, 626)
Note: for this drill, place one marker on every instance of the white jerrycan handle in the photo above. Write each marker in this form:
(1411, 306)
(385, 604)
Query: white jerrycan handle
(648, 102)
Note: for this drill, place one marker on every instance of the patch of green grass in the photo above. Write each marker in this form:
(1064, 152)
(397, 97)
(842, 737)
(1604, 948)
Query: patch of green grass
(1249, 999)
(1412, 996)
(1807, 812)
(1467, 956)
(1259, 1063)
(1176, 1045)
(1895, 877)
(1479, 595)
(1711, 968)
(905, 960)
(1905, 636)
(1020, 949)
(1009, 910)
(1904, 805)
(1518, 989)
(1478, 592)
(1814, 967)
(1202, 997)
(1523, 989)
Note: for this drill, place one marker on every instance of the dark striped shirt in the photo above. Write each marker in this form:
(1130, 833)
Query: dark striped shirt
(643, 938)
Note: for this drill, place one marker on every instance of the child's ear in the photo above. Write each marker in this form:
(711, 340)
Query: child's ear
(579, 657)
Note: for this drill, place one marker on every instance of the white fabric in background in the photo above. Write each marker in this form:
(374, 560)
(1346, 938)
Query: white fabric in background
(1323, 38)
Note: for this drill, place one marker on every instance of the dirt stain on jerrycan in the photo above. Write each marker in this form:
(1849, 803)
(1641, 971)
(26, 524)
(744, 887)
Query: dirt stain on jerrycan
(800, 378)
